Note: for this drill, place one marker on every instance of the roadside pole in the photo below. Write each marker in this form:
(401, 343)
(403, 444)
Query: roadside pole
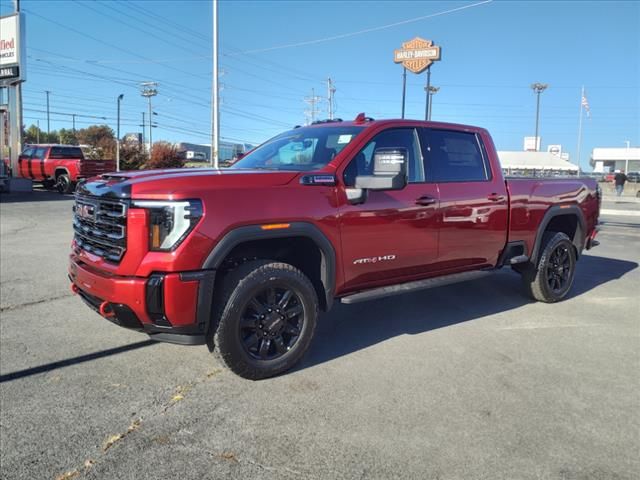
(215, 96)
(427, 90)
(404, 89)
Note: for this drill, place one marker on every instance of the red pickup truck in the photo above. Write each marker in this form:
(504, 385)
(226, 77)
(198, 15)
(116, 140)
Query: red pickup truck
(61, 166)
(244, 258)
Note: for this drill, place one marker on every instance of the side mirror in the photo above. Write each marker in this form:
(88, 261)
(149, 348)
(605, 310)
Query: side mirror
(389, 170)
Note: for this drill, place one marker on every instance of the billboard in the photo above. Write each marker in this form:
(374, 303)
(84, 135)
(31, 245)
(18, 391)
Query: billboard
(12, 49)
(531, 144)
(555, 150)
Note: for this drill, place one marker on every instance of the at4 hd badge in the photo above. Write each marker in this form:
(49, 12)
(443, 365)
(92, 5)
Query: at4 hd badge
(370, 260)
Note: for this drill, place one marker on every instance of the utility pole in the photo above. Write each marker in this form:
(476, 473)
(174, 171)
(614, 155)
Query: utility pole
(38, 131)
(313, 100)
(432, 92)
(331, 90)
(143, 127)
(48, 124)
(215, 93)
(73, 116)
(120, 97)
(404, 88)
(538, 88)
(149, 89)
(626, 163)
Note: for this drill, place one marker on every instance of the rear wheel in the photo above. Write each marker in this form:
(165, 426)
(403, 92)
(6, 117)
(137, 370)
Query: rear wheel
(551, 279)
(64, 183)
(265, 316)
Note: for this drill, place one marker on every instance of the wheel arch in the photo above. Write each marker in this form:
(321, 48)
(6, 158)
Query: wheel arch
(60, 171)
(567, 219)
(255, 235)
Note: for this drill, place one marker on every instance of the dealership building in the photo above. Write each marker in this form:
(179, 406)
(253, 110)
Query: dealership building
(201, 152)
(612, 159)
(536, 164)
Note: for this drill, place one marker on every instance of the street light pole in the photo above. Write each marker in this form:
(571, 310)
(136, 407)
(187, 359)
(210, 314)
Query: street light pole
(538, 88)
(149, 89)
(120, 97)
(626, 162)
(432, 92)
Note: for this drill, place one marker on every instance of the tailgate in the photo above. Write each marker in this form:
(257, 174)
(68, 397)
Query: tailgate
(92, 168)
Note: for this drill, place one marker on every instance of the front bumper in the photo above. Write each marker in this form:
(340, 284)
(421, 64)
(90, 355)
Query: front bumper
(170, 307)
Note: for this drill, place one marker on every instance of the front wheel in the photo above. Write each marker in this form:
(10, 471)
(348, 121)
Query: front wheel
(265, 316)
(551, 279)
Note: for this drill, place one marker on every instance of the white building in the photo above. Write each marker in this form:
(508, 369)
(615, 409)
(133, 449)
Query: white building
(536, 164)
(612, 159)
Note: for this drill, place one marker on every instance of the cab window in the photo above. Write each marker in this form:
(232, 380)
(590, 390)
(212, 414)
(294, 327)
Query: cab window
(362, 163)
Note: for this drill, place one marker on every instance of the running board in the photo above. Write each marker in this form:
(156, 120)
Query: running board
(414, 286)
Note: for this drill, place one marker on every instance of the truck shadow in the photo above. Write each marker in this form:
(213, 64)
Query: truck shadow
(349, 328)
(37, 195)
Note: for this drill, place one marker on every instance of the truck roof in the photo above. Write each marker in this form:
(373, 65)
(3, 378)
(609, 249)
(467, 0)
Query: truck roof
(363, 121)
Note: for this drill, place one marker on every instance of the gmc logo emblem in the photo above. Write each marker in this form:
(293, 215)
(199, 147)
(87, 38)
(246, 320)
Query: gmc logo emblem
(86, 211)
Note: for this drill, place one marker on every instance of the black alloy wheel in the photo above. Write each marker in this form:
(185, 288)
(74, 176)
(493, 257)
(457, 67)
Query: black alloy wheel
(264, 318)
(549, 279)
(558, 268)
(271, 323)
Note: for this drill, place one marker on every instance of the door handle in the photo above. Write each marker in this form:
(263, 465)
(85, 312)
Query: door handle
(494, 197)
(425, 200)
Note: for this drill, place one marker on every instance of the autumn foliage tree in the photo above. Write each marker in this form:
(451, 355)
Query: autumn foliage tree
(164, 155)
(132, 156)
(100, 138)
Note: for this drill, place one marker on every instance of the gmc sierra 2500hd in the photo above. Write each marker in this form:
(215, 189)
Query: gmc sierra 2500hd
(244, 258)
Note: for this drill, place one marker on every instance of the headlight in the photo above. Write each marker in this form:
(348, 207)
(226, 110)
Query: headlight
(170, 222)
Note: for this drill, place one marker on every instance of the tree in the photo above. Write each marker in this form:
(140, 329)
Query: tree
(67, 137)
(33, 135)
(132, 156)
(100, 138)
(164, 155)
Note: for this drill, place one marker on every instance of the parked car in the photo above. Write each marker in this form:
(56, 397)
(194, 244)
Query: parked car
(244, 258)
(633, 177)
(60, 166)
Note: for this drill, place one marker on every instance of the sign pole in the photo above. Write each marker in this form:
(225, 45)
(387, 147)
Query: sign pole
(404, 88)
(427, 89)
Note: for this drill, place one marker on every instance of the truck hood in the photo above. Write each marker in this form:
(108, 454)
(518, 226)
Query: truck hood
(178, 182)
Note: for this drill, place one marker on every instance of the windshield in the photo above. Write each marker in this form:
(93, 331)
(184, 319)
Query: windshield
(301, 149)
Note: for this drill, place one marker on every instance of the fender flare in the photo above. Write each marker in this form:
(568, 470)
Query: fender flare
(249, 233)
(57, 169)
(556, 211)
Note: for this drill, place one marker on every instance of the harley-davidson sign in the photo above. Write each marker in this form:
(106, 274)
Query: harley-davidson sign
(416, 55)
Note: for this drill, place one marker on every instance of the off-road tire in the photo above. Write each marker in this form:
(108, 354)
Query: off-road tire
(64, 184)
(237, 289)
(537, 279)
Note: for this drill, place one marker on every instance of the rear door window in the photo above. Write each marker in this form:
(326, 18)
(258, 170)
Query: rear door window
(452, 156)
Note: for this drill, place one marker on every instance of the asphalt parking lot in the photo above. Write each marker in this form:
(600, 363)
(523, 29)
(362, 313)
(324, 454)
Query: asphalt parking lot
(471, 381)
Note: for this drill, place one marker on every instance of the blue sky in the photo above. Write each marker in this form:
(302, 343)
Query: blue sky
(86, 53)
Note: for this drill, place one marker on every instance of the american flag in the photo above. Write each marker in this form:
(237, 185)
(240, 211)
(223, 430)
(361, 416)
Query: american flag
(585, 103)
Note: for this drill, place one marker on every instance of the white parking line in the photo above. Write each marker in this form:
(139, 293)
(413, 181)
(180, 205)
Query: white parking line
(621, 213)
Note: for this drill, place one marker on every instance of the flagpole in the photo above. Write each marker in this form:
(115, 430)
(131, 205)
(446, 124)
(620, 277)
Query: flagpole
(580, 129)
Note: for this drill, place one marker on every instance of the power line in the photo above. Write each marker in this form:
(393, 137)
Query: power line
(360, 32)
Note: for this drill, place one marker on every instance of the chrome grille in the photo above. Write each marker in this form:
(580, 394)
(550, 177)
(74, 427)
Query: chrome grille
(100, 227)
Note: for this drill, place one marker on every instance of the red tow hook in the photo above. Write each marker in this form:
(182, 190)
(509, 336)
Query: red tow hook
(104, 312)
(74, 289)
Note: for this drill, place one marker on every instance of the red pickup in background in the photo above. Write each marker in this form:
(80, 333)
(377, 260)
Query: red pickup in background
(61, 166)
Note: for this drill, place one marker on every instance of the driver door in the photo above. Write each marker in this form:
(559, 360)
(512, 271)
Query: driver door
(393, 234)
